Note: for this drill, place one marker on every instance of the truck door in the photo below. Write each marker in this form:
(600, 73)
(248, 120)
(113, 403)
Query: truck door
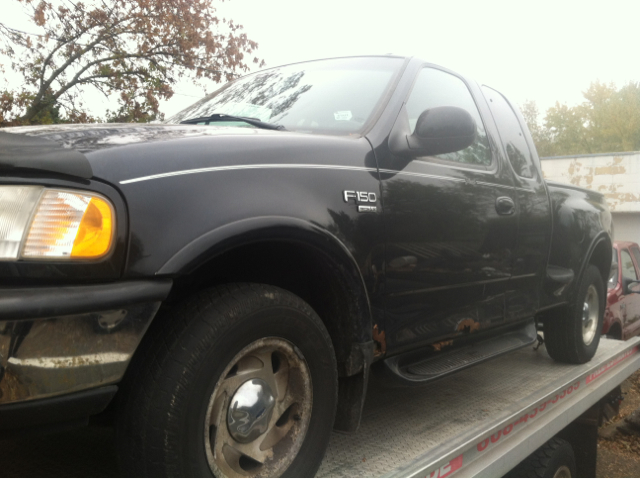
(534, 213)
(450, 228)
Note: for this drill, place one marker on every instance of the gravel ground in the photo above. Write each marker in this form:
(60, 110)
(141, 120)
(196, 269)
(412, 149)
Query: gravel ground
(620, 456)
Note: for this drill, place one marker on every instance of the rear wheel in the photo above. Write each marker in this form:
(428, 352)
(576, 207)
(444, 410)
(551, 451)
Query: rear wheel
(239, 381)
(554, 459)
(573, 336)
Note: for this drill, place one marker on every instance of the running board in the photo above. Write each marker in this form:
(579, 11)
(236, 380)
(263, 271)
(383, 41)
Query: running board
(409, 370)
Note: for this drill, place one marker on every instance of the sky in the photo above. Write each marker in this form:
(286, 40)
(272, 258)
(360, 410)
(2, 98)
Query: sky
(540, 50)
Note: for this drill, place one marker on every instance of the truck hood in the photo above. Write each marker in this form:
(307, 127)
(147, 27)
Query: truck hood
(63, 148)
(118, 152)
(86, 138)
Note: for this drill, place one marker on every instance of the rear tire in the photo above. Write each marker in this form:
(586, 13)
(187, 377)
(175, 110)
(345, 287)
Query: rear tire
(554, 459)
(182, 408)
(573, 335)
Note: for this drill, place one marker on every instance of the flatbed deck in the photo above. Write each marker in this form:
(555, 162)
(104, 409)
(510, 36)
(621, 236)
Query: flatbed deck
(478, 422)
(445, 428)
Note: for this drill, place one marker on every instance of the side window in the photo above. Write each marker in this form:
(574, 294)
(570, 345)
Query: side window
(510, 132)
(436, 88)
(628, 271)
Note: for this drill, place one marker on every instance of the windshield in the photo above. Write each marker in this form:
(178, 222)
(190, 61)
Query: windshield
(328, 96)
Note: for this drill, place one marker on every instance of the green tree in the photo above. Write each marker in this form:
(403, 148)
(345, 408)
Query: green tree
(614, 116)
(137, 49)
(541, 136)
(607, 121)
(566, 129)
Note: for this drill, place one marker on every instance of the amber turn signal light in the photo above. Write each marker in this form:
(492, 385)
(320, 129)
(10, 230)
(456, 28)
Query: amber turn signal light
(95, 232)
(70, 225)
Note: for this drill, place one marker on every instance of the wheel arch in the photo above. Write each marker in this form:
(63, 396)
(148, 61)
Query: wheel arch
(290, 253)
(600, 256)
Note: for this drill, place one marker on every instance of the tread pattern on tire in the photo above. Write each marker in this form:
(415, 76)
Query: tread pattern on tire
(560, 336)
(149, 373)
(537, 464)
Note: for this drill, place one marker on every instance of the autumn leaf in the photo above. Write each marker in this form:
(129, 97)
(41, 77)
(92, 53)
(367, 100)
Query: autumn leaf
(135, 49)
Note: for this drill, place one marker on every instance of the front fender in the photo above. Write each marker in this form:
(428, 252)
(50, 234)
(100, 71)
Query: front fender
(284, 229)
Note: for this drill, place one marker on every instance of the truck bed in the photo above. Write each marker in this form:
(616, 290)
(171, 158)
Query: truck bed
(479, 422)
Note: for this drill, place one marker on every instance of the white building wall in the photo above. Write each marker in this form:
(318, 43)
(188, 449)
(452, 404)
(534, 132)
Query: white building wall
(616, 175)
(626, 227)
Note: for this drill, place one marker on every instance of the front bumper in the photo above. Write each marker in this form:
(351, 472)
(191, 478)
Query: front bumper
(56, 341)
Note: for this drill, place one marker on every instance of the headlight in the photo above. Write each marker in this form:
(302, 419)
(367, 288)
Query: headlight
(42, 223)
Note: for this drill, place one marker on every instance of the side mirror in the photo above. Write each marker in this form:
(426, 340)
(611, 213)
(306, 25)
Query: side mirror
(630, 286)
(439, 130)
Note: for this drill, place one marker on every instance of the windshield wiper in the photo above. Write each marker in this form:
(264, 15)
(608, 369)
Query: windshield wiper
(223, 117)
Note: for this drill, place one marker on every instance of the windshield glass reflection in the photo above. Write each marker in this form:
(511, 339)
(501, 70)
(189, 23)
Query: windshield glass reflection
(328, 96)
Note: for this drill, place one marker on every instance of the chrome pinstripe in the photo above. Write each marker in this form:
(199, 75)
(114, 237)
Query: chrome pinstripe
(246, 167)
(310, 166)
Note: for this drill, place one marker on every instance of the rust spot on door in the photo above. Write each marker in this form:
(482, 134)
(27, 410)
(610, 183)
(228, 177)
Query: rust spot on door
(468, 326)
(381, 342)
(439, 346)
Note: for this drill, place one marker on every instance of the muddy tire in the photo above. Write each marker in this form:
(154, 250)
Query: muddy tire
(239, 380)
(554, 459)
(573, 335)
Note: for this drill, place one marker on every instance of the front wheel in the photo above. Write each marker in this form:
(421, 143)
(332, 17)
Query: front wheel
(240, 381)
(574, 337)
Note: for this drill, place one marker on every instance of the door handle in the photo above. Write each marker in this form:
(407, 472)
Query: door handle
(505, 206)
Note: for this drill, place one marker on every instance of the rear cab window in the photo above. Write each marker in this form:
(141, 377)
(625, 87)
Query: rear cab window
(511, 134)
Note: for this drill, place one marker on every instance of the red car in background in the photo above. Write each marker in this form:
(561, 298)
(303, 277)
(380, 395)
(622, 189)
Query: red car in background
(622, 316)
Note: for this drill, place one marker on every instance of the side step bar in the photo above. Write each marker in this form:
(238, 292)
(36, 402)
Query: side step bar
(408, 370)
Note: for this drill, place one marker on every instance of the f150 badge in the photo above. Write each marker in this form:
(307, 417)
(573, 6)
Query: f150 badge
(361, 197)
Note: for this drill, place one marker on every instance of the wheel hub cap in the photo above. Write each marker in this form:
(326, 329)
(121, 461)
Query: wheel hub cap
(250, 411)
(585, 312)
(259, 412)
(590, 312)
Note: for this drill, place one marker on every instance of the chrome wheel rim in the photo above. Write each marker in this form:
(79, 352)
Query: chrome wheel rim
(563, 471)
(590, 312)
(259, 411)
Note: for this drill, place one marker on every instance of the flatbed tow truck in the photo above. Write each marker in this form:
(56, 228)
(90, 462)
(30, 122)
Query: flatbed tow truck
(485, 420)
(482, 421)
(286, 254)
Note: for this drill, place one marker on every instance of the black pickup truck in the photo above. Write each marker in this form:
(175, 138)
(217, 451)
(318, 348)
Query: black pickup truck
(223, 284)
